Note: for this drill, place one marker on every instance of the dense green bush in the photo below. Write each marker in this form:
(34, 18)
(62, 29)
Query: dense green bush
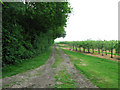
(29, 29)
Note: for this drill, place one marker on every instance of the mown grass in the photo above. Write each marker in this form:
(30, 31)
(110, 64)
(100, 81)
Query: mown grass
(102, 72)
(26, 65)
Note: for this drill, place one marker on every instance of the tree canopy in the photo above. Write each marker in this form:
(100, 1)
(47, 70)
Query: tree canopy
(29, 29)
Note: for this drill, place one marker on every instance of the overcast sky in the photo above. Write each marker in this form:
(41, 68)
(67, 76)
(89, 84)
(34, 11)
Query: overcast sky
(92, 19)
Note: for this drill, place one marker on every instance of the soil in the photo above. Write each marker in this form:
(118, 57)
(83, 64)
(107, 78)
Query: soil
(44, 76)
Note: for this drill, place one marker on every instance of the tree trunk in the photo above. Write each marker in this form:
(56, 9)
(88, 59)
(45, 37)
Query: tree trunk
(88, 50)
(102, 52)
(80, 49)
(84, 50)
(93, 50)
(111, 53)
(76, 48)
(73, 48)
(98, 51)
(118, 52)
(106, 52)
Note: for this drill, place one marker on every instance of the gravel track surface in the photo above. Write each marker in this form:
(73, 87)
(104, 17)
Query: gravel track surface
(44, 76)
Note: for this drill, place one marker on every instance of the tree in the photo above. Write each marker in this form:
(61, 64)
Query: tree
(30, 29)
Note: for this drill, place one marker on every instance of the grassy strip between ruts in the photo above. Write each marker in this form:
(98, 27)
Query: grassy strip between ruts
(63, 77)
(63, 80)
(26, 65)
(102, 72)
(58, 59)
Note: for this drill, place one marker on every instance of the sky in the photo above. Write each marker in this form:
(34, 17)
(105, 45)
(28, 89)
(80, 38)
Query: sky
(92, 19)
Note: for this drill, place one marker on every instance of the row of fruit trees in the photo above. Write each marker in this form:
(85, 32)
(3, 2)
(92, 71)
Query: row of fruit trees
(91, 46)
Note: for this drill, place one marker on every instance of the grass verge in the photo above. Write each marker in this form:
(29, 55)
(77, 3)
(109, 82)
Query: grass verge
(102, 72)
(26, 65)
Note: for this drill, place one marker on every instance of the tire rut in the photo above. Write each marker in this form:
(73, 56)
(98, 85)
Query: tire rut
(80, 80)
(44, 76)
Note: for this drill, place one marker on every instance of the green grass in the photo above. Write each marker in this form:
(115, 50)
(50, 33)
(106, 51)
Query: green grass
(63, 77)
(26, 65)
(58, 59)
(102, 72)
(57, 51)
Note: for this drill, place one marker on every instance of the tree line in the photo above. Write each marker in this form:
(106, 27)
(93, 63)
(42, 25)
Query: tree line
(30, 29)
(100, 46)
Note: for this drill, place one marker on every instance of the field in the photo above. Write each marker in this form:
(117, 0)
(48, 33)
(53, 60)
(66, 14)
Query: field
(102, 72)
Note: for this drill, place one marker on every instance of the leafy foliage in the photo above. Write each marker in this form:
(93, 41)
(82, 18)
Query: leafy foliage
(100, 45)
(29, 29)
